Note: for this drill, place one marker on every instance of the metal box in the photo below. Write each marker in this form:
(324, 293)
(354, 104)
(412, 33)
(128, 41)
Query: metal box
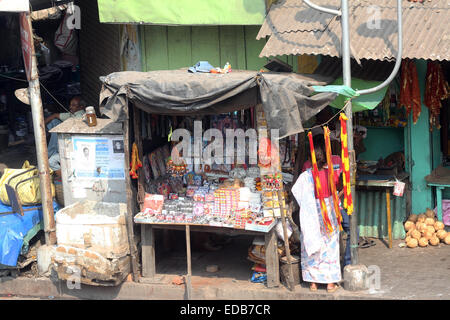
(92, 161)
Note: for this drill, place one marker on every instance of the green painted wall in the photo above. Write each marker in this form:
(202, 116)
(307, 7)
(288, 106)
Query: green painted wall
(381, 142)
(170, 47)
(421, 151)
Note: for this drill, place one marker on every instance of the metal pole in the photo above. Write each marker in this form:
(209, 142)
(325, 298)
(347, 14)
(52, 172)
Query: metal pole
(41, 150)
(347, 79)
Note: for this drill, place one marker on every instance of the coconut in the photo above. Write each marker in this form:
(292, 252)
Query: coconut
(421, 217)
(429, 221)
(429, 213)
(421, 226)
(412, 243)
(441, 234)
(438, 225)
(408, 238)
(413, 217)
(409, 225)
(447, 239)
(423, 242)
(430, 229)
(434, 241)
(428, 235)
(416, 234)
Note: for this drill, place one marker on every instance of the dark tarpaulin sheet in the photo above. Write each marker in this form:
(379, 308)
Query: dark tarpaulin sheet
(286, 97)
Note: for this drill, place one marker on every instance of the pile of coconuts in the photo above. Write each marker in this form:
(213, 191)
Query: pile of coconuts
(423, 230)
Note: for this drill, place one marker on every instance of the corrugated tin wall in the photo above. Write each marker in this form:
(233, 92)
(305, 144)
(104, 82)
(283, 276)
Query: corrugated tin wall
(99, 50)
(372, 214)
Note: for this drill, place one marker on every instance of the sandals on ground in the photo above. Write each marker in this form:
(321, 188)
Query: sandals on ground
(333, 289)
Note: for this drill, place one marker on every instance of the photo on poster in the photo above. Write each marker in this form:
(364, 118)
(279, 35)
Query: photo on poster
(118, 146)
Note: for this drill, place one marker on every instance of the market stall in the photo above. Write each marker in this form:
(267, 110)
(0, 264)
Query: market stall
(243, 193)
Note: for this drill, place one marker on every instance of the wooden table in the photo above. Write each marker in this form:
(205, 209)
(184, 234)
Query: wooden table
(387, 184)
(439, 187)
(148, 247)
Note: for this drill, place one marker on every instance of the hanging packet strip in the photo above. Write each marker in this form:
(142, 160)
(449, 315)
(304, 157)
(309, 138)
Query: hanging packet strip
(348, 203)
(326, 133)
(315, 173)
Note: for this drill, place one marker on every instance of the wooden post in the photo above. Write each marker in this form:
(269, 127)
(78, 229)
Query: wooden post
(388, 210)
(272, 262)
(130, 202)
(189, 268)
(138, 141)
(148, 251)
(286, 243)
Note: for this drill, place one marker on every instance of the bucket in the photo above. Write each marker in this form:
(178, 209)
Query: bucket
(284, 270)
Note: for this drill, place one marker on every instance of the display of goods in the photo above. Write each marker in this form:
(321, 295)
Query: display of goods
(409, 89)
(423, 242)
(430, 229)
(413, 218)
(412, 243)
(272, 182)
(153, 203)
(176, 170)
(420, 226)
(438, 225)
(416, 234)
(441, 234)
(447, 239)
(436, 89)
(409, 225)
(421, 217)
(434, 241)
(429, 221)
(429, 213)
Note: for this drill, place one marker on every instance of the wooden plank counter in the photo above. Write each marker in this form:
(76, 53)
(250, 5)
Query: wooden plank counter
(148, 246)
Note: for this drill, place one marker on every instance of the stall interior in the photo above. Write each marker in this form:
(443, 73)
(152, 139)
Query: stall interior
(236, 186)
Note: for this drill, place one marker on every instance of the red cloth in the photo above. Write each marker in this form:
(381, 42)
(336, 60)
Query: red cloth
(323, 175)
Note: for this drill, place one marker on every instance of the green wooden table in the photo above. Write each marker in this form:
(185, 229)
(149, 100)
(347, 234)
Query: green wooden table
(439, 187)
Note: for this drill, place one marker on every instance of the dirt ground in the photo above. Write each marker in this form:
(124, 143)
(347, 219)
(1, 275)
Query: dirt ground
(419, 273)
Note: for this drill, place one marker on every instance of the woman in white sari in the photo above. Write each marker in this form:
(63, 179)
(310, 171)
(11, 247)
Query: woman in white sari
(319, 248)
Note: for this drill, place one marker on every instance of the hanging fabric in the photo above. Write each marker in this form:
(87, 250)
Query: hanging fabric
(348, 203)
(409, 89)
(315, 173)
(436, 89)
(326, 133)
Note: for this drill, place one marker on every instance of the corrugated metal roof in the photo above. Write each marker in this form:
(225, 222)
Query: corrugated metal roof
(294, 28)
(374, 70)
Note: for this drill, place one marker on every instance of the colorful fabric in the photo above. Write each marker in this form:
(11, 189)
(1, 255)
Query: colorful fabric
(303, 191)
(319, 249)
(315, 172)
(348, 203)
(323, 174)
(331, 176)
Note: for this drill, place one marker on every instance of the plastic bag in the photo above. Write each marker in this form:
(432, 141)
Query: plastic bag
(66, 39)
(29, 192)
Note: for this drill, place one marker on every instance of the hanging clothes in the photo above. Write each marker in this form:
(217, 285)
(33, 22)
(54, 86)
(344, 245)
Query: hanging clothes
(319, 249)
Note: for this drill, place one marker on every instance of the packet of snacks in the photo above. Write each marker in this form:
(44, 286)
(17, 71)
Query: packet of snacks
(153, 203)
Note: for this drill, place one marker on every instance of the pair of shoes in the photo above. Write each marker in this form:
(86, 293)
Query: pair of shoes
(367, 243)
(333, 289)
(313, 288)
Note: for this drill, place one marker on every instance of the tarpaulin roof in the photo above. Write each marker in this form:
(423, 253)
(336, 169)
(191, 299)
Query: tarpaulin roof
(286, 97)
